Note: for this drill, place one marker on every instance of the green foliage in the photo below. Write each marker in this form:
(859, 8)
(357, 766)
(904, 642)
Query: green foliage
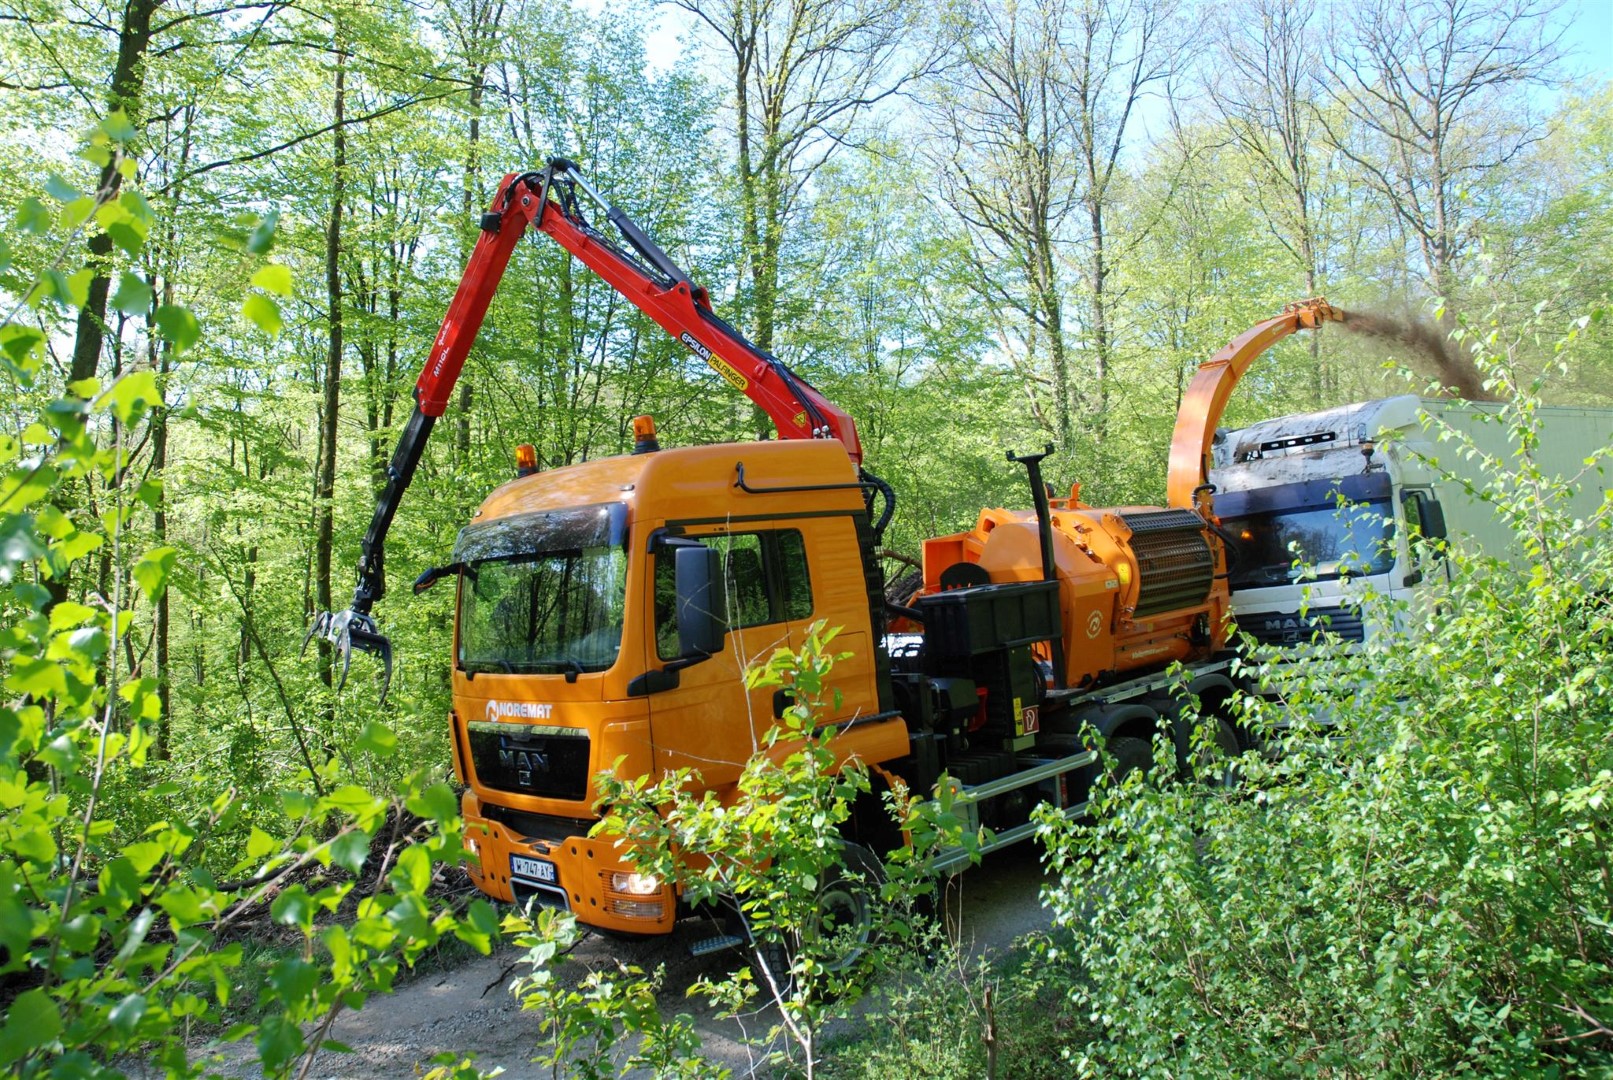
(1415, 881)
(120, 931)
(580, 1025)
(939, 1014)
(821, 916)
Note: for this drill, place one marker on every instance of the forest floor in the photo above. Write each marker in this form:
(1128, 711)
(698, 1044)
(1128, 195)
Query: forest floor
(467, 1008)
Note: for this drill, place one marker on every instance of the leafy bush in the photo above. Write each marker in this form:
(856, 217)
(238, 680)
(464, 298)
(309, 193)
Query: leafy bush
(820, 916)
(939, 1014)
(118, 934)
(1423, 889)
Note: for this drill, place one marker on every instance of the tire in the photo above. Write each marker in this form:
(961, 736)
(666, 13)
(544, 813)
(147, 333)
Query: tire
(1220, 770)
(845, 900)
(1130, 754)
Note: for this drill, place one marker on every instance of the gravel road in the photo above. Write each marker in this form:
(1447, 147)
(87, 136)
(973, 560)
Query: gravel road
(470, 1009)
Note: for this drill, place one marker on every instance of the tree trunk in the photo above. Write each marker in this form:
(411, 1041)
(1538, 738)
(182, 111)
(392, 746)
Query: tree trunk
(1101, 348)
(128, 78)
(326, 484)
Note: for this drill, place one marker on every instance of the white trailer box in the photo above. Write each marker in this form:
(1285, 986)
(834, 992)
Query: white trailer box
(1278, 487)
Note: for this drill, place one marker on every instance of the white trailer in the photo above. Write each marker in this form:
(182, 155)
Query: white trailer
(1279, 486)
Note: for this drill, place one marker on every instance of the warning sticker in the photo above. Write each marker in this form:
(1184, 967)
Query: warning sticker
(801, 419)
(1030, 720)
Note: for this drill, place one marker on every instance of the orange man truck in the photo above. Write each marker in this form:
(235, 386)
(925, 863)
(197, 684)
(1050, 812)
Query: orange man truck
(607, 610)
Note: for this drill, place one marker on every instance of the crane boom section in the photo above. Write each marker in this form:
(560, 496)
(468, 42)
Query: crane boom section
(647, 278)
(1206, 399)
(661, 291)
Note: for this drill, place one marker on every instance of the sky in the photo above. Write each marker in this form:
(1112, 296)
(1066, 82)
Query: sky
(1588, 34)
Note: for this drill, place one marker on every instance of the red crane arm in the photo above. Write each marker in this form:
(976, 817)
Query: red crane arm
(1207, 395)
(548, 201)
(648, 278)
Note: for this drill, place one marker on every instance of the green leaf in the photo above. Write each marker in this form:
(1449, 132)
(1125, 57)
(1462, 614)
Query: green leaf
(135, 205)
(76, 213)
(37, 678)
(128, 234)
(260, 843)
(23, 350)
(413, 870)
(377, 738)
(30, 486)
(19, 543)
(351, 799)
(350, 849)
(133, 296)
(68, 614)
(68, 290)
(295, 907)
(5, 255)
(153, 569)
(177, 325)
(262, 238)
(295, 981)
(61, 190)
(273, 278)
(85, 388)
(125, 1015)
(34, 217)
(132, 394)
(32, 1022)
(436, 802)
(116, 126)
(263, 312)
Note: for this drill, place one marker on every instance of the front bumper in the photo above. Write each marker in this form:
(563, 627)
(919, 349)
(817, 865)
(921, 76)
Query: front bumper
(585, 874)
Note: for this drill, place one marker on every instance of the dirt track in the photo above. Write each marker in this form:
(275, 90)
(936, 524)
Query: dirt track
(470, 1009)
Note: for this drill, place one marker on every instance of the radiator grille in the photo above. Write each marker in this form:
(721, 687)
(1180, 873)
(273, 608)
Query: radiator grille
(531, 760)
(1175, 565)
(1288, 628)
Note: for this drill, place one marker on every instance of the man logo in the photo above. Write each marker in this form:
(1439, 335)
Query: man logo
(524, 762)
(1280, 629)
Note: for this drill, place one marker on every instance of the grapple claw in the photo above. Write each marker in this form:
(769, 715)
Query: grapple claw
(349, 630)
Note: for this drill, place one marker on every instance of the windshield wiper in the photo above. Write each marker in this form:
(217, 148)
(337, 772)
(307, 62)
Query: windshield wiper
(1272, 574)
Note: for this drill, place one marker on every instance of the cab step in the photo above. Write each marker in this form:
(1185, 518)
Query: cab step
(707, 946)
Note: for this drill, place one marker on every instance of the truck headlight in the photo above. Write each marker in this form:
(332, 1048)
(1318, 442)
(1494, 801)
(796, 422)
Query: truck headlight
(635, 884)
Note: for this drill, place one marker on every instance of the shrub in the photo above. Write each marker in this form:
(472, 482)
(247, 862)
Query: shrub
(117, 933)
(770, 852)
(1424, 888)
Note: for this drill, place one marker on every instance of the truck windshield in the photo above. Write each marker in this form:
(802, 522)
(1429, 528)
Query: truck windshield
(547, 612)
(543, 592)
(1357, 540)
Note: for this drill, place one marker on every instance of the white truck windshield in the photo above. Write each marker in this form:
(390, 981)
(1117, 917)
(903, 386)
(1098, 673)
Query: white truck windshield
(1355, 540)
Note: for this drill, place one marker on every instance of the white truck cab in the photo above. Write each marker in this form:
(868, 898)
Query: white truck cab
(1319, 506)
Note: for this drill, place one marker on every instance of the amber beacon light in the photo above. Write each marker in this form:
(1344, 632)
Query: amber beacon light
(526, 460)
(644, 435)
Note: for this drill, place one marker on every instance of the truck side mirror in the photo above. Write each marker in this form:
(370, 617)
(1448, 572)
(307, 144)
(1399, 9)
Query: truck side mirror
(702, 615)
(435, 574)
(1433, 519)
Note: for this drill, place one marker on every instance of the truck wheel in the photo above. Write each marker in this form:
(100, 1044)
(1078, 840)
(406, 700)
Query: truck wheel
(846, 900)
(1219, 770)
(844, 909)
(1130, 754)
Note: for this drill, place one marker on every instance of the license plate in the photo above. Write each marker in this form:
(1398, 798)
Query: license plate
(532, 869)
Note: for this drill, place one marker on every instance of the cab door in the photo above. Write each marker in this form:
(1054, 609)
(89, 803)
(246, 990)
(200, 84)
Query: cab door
(710, 721)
